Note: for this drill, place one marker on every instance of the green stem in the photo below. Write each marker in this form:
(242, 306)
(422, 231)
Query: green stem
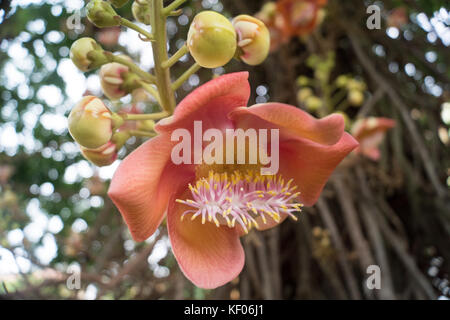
(127, 23)
(134, 68)
(147, 116)
(176, 56)
(158, 23)
(153, 92)
(189, 72)
(140, 133)
(171, 7)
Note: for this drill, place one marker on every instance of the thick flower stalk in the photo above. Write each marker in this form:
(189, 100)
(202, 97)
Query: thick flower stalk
(209, 206)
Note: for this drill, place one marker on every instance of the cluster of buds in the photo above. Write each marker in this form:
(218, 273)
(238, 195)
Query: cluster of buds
(355, 89)
(213, 40)
(94, 127)
(306, 97)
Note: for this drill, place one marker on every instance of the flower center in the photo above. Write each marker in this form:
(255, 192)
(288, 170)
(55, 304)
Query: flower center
(227, 198)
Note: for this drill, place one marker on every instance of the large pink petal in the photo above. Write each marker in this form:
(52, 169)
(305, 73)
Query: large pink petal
(310, 164)
(310, 148)
(210, 103)
(291, 120)
(143, 184)
(209, 256)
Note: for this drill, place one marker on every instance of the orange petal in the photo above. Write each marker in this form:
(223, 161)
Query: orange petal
(310, 164)
(143, 184)
(291, 121)
(210, 103)
(209, 256)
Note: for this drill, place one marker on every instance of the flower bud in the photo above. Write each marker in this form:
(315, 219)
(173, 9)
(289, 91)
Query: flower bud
(102, 156)
(211, 39)
(253, 39)
(141, 11)
(303, 94)
(118, 3)
(86, 54)
(313, 103)
(101, 14)
(303, 81)
(341, 81)
(111, 80)
(354, 84)
(355, 97)
(107, 153)
(90, 123)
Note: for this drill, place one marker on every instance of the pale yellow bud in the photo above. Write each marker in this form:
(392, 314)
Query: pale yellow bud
(313, 103)
(355, 97)
(211, 39)
(303, 94)
(102, 156)
(90, 123)
(253, 39)
(86, 54)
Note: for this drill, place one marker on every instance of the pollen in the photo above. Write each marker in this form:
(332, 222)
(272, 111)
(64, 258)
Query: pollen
(224, 199)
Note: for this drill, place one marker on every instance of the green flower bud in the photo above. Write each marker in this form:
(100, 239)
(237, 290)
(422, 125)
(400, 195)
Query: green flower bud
(303, 94)
(313, 103)
(102, 156)
(356, 85)
(342, 81)
(116, 80)
(91, 123)
(303, 81)
(87, 54)
(355, 97)
(141, 11)
(107, 153)
(211, 39)
(253, 39)
(101, 14)
(118, 3)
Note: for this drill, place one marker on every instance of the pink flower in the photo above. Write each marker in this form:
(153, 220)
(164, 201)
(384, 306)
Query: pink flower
(148, 186)
(300, 16)
(370, 132)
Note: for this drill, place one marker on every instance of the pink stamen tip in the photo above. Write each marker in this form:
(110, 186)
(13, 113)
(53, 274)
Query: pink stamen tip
(241, 198)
